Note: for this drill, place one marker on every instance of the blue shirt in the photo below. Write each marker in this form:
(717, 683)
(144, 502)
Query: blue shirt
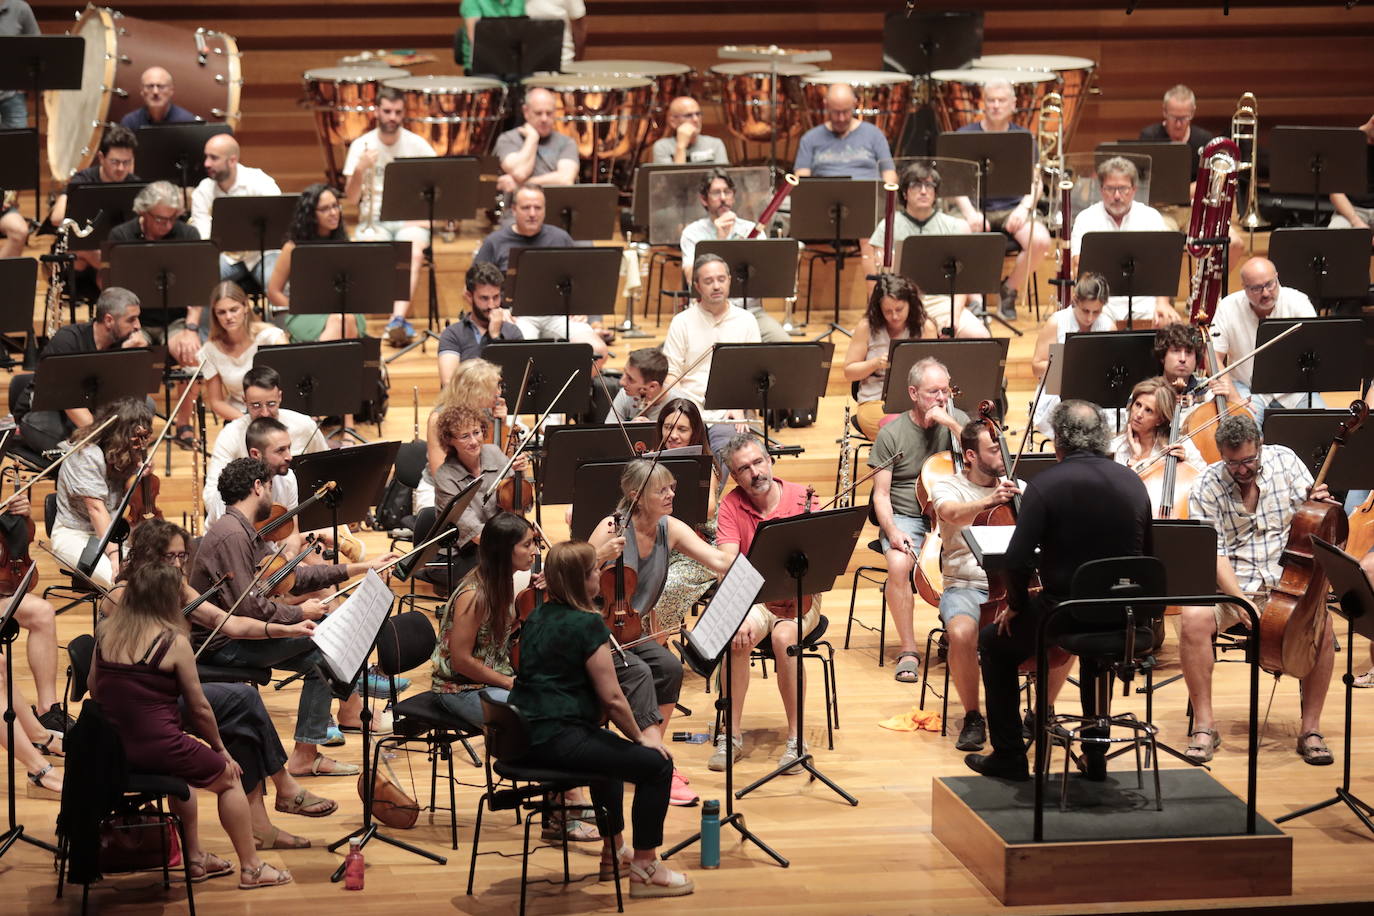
(139, 117)
(861, 153)
(996, 203)
(467, 340)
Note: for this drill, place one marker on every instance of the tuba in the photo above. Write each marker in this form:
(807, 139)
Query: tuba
(1245, 129)
(1210, 225)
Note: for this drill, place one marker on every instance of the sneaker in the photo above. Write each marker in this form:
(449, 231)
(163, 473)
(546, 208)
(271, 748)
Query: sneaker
(680, 794)
(790, 754)
(717, 761)
(334, 737)
(379, 685)
(54, 719)
(974, 734)
(399, 332)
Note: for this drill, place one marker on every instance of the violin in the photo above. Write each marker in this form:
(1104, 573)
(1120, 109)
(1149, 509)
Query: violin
(16, 534)
(280, 523)
(1294, 618)
(618, 584)
(527, 599)
(277, 575)
(143, 501)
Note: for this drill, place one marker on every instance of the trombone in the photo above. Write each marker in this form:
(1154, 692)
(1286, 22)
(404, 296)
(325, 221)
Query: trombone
(1245, 129)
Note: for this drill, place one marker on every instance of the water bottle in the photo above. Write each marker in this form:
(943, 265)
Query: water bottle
(354, 866)
(710, 834)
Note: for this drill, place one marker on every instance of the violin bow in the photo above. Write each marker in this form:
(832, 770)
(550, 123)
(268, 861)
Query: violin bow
(529, 434)
(519, 400)
(855, 485)
(1231, 408)
(71, 451)
(290, 514)
(1030, 420)
(392, 562)
(257, 577)
(73, 568)
(685, 372)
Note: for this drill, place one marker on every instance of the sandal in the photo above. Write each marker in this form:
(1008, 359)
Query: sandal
(208, 866)
(255, 874)
(305, 804)
(674, 883)
(559, 825)
(276, 838)
(1199, 752)
(1319, 755)
(338, 768)
(55, 756)
(185, 438)
(626, 855)
(908, 669)
(1364, 680)
(37, 788)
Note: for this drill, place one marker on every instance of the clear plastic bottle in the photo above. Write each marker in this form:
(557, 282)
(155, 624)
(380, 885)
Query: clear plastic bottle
(354, 865)
(710, 834)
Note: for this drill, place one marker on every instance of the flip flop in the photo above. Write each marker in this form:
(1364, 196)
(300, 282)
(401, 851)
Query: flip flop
(340, 768)
(275, 839)
(908, 670)
(305, 799)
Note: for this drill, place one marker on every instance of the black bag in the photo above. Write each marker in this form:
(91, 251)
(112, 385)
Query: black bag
(395, 508)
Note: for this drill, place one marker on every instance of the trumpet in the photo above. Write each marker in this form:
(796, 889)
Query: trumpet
(1245, 129)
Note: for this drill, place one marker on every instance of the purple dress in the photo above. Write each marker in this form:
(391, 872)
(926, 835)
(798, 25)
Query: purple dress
(141, 702)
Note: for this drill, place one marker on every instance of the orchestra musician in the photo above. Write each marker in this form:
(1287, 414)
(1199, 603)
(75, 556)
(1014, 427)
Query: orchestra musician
(318, 218)
(1177, 349)
(227, 177)
(468, 457)
(918, 190)
(685, 143)
(651, 535)
(486, 320)
(16, 18)
(534, 153)
(641, 383)
(38, 749)
(232, 545)
(1084, 508)
(114, 162)
(1251, 497)
(365, 169)
(1119, 211)
(1357, 210)
(567, 683)
(35, 615)
(1150, 411)
(235, 335)
(157, 90)
(896, 311)
(1086, 315)
(91, 483)
(933, 424)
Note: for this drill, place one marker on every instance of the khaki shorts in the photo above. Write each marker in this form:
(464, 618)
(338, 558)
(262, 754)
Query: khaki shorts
(763, 620)
(1228, 615)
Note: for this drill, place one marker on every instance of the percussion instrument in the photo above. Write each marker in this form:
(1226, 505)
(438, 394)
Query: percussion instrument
(204, 65)
(457, 115)
(747, 98)
(957, 95)
(606, 116)
(670, 81)
(344, 100)
(1075, 78)
(884, 97)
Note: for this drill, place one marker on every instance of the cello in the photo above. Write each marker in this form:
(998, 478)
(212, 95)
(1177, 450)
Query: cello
(1168, 481)
(1294, 618)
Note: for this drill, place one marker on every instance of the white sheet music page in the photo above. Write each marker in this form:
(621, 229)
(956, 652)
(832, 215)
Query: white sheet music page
(345, 637)
(727, 609)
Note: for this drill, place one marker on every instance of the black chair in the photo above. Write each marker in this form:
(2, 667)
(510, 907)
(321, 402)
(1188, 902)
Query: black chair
(876, 575)
(1119, 642)
(76, 590)
(409, 468)
(534, 790)
(405, 642)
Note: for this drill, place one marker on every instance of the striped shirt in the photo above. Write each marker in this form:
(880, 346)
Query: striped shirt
(1253, 542)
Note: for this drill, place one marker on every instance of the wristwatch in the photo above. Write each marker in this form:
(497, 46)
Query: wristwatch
(192, 326)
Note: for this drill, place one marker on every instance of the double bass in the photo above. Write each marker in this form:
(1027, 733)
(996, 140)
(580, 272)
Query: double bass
(1294, 619)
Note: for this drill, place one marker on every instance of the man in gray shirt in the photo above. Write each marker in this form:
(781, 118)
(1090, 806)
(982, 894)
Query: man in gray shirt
(685, 143)
(535, 153)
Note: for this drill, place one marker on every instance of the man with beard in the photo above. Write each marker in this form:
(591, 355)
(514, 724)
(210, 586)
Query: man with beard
(231, 545)
(227, 177)
(759, 496)
(365, 169)
(486, 320)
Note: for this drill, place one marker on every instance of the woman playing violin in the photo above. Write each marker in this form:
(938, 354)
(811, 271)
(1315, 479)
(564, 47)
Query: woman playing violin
(646, 499)
(91, 484)
(468, 457)
(1146, 436)
(476, 384)
(680, 425)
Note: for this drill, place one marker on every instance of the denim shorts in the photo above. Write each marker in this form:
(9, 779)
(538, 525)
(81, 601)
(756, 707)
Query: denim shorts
(967, 601)
(915, 526)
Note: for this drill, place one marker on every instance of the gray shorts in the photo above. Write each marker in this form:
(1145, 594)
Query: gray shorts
(956, 601)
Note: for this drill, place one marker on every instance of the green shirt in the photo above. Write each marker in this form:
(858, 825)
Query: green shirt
(552, 687)
(916, 445)
(484, 9)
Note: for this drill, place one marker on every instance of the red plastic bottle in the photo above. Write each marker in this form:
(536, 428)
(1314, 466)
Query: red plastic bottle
(354, 866)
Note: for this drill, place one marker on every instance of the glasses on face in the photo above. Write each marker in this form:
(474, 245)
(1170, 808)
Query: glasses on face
(177, 557)
(720, 193)
(1265, 287)
(1233, 464)
(264, 405)
(1117, 190)
(157, 87)
(935, 392)
(924, 186)
(163, 220)
(1178, 119)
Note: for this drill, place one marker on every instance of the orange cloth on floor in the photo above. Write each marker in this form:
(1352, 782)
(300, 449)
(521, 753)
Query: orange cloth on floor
(914, 721)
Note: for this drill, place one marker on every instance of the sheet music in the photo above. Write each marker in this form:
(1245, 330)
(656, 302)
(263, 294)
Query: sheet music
(345, 637)
(727, 610)
(989, 539)
(680, 451)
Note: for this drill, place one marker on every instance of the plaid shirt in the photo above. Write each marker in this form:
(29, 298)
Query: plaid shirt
(1253, 542)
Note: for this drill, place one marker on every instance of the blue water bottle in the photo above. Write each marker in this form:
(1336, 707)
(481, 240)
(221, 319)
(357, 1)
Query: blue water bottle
(710, 834)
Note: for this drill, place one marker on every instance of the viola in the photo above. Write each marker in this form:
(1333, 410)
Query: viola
(273, 528)
(618, 584)
(143, 500)
(526, 600)
(277, 575)
(1294, 619)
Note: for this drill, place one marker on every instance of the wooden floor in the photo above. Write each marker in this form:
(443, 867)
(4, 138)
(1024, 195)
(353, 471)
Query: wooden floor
(877, 858)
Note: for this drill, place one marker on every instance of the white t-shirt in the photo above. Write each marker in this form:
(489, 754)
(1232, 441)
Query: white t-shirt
(1140, 218)
(248, 182)
(694, 331)
(231, 443)
(231, 370)
(1065, 324)
(567, 10)
(957, 563)
(285, 492)
(1235, 326)
(408, 145)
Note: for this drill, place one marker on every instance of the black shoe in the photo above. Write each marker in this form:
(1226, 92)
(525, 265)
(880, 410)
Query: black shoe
(1028, 726)
(974, 733)
(1007, 309)
(54, 719)
(1095, 767)
(1013, 768)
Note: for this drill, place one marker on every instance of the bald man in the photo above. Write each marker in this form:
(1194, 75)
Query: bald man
(685, 143)
(535, 153)
(845, 146)
(227, 177)
(158, 107)
(1236, 324)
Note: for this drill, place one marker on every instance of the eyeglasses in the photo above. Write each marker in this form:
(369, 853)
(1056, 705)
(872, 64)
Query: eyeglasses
(1117, 190)
(1178, 119)
(260, 405)
(1265, 287)
(177, 557)
(935, 392)
(924, 186)
(1233, 464)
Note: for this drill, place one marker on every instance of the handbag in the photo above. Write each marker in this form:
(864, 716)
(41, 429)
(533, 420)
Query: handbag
(138, 842)
(390, 804)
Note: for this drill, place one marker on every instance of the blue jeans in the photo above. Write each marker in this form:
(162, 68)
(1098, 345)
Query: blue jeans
(1263, 402)
(967, 601)
(14, 112)
(294, 654)
(914, 526)
(467, 705)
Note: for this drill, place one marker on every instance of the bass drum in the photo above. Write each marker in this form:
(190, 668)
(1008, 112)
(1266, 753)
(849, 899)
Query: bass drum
(204, 65)
(957, 95)
(1075, 75)
(884, 98)
(457, 115)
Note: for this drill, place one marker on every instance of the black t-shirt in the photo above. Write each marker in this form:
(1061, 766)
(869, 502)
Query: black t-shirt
(91, 175)
(72, 338)
(132, 231)
(1366, 200)
(1198, 137)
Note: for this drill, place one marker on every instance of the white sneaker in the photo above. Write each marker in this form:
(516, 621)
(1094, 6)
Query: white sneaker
(793, 751)
(717, 761)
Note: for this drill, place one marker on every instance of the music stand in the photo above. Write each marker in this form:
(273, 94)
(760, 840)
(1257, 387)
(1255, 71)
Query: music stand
(774, 376)
(104, 206)
(587, 212)
(67, 381)
(759, 268)
(446, 522)
(343, 277)
(1324, 263)
(359, 473)
(834, 211)
(1325, 354)
(554, 361)
(798, 556)
(566, 446)
(977, 366)
(1308, 433)
(515, 46)
(1355, 602)
(166, 276)
(36, 63)
(921, 41)
(318, 379)
(19, 280)
(597, 490)
(1170, 167)
(545, 281)
(1134, 263)
(1317, 160)
(430, 188)
(956, 264)
(247, 223)
(176, 152)
(1102, 367)
(1004, 160)
(19, 161)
